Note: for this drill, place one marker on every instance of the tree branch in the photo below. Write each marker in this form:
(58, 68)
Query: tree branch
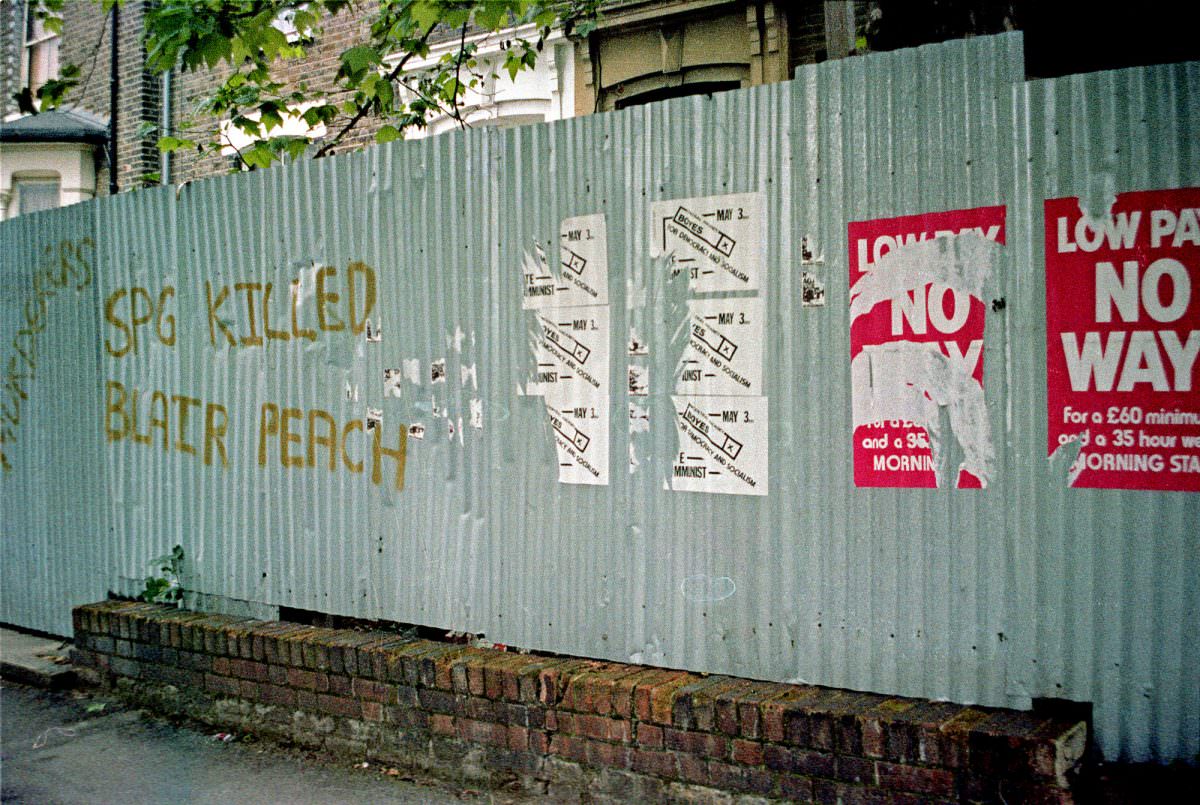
(364, 108)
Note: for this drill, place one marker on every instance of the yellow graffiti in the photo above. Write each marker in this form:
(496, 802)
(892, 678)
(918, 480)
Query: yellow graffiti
(63, 265)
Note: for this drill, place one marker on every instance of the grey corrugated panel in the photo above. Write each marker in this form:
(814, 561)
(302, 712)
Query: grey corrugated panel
(994, 596)
(1117, 605)
(51, 500)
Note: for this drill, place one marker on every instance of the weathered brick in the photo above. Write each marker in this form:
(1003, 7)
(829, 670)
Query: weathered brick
(274, 694)
(654, 698)
(341, 685)
(603, 729)
(571, 747)
(339, 705)
(857, 770)
(407, 717)
(740, 778)
(373, 691)
(611, 755)
(248, 689)
(749, 753)
(653, 761)
(125, 667)
(307, 680)
(935, 782)
(539, 742)
(692, 769)
(518, 737)
(697, 743)
(694, 703)
(372, 711)
(795, 789)
(437, 701)
(248, 669)
(725, 701)
(649, 735)
(221, 684)
(165, 674)
(798, 761)
(441, 724)
(477, 708)
(484, 732)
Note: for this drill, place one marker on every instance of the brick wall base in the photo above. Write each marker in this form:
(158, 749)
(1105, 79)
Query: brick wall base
(568, 728)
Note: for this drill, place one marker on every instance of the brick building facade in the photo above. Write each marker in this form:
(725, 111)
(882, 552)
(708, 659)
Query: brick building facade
(641, 51)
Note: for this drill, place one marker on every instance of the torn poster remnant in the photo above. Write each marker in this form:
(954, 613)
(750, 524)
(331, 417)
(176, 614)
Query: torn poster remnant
(917, 320)
(1122, 340)
(717, 241)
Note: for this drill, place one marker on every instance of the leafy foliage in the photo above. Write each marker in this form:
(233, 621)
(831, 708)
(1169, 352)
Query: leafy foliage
(245, 42)
(166, 588)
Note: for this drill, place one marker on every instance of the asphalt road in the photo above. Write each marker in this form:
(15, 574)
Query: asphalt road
(63, 747)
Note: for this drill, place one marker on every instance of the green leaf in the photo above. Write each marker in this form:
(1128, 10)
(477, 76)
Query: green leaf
(213, 48)
(425, 13)
(387, 134)
(358, 59)
(258, 155)
(169, 144)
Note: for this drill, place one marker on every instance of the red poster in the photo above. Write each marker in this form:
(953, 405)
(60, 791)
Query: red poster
(1122, 337)
(916, 347)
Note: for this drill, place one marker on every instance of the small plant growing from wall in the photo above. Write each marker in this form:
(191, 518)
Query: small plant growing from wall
(166, 587)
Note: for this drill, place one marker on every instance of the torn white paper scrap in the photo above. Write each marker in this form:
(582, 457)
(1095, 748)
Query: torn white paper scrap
(374, 418)
(437, 371)
(639, 418)
(722, 445)
(724, 351)
(718, 241)
(812, 290)
(468, 373)
(391, 382)
(581, 441)
(583, 261)
(637, 345)
(639, 380)
(573, 355)
(416, 431)
(412, 370)
(539, 281)
(476, 413)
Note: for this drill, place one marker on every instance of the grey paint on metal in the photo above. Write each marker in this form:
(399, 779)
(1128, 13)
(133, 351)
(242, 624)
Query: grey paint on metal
(1026, 589)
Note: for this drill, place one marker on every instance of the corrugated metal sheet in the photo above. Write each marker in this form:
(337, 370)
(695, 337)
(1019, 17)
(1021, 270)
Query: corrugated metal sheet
(1023, 590)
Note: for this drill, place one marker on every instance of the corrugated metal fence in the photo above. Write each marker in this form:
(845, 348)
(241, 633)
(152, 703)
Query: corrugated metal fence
(1025, 589)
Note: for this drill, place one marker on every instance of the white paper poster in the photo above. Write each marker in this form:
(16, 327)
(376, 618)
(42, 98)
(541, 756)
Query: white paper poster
(724, 351)
(583, 262)
(716, 240)
(581, 440)
(722, 445)
(573, 354)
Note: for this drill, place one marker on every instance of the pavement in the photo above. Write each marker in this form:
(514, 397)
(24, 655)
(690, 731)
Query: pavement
(40, 661)
(82, 746)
